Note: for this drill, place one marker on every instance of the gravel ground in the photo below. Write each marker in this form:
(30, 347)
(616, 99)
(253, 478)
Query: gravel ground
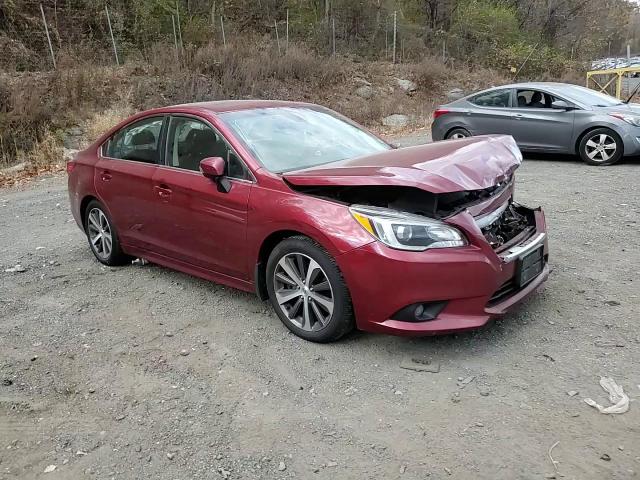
(142, 372)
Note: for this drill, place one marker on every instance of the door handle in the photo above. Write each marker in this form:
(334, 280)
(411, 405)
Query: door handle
(518, 116)
(106, 176)
(163, 191)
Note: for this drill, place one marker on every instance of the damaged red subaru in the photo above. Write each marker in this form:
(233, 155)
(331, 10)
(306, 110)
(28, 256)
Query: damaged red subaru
(337, 228)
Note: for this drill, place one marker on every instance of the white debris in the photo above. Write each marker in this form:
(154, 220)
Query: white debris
(617, 397)
(50, 469)
(17, 269)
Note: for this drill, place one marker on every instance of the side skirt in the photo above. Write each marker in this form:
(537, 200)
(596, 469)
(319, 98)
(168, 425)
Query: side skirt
(190, 269)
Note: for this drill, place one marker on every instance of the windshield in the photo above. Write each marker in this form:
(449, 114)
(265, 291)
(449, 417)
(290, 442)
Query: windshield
(589, 97)
(293, 138)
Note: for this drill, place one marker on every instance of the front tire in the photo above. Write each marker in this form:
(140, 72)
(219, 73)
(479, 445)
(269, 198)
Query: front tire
(308, 292)
(102, 236)
(601, 147)
(458, 133)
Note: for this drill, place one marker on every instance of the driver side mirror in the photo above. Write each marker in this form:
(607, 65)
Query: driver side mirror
(561, 105)
(212, 167)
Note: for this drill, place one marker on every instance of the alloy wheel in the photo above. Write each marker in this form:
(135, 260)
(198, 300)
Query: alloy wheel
(303, 291)
(457, 136)
(100, 234)
(601, 147)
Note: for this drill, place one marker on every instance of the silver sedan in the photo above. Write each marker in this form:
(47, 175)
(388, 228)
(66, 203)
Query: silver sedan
(547, 117)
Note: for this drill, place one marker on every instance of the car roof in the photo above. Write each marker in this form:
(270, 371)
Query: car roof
(552, 86)
(204, 108)
(235, 105)
(537, 85)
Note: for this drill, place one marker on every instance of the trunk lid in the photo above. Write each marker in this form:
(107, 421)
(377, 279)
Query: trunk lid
(473, 163)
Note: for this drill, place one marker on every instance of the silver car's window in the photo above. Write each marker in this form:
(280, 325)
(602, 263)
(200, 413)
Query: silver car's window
(534, 99)
(292, 138)
(494, 98)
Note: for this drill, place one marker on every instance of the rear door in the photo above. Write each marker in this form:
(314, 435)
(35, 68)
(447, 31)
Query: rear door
(200, 222)
(491, 112)
(537, 126)
(123, 179)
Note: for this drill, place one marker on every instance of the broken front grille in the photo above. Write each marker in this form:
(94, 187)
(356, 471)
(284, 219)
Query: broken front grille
(514, 224)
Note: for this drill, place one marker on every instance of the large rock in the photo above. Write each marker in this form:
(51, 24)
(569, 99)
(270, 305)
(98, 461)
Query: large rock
(365, 91)
(396, 120)
(73, 138)
(406, 86)
(455, 94)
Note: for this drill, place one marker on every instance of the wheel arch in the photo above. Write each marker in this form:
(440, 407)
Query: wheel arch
(83, 207)
(455, 127)
(266, 247)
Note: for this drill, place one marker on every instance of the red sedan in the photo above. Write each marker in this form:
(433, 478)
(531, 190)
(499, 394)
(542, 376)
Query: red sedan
(334, 226)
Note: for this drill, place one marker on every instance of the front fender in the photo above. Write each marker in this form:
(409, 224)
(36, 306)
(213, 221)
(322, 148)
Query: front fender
(328, 223)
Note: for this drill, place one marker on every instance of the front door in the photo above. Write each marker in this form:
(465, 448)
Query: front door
(537, 126)
(202, 224)
(123, 179)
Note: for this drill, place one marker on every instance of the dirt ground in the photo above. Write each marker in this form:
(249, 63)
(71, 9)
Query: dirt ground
(142, 372)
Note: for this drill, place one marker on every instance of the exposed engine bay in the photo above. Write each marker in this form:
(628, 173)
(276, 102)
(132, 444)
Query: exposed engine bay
(508, 225)
(406, 199)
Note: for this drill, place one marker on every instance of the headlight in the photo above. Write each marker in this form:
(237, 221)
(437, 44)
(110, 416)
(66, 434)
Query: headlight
(405, 231)
(630, 119)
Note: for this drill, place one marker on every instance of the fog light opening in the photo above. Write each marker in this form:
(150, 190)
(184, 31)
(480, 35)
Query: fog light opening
(420, 312)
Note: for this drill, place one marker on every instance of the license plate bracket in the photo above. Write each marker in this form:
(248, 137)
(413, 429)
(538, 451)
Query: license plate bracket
(529, 267)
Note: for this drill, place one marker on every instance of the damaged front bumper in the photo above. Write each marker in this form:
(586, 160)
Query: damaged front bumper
(457, 288)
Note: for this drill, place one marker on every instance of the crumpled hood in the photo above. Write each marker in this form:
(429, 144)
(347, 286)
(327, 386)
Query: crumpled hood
(473, 163)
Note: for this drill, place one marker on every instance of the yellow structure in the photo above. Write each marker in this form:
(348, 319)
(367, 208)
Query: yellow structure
(602, 76)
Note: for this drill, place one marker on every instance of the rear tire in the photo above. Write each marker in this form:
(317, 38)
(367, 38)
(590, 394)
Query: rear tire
(102, 236)
(601, 147)
(308, 292)
(458, 133)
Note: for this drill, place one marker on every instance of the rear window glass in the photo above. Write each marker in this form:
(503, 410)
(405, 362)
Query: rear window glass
(494, 98)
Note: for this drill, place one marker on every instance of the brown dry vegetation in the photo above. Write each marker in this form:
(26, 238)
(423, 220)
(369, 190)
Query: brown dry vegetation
(36, 108)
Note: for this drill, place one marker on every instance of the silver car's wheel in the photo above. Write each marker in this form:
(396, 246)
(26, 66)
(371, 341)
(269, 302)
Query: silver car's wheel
(303, 291)
(99, 232)
(307, 290)
(458, 133)
(601, 147)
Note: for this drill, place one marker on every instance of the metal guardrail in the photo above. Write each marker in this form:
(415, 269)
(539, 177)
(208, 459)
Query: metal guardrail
(611, 75)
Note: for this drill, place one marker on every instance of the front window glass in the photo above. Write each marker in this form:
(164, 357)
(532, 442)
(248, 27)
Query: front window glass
(190, 141)
(494, 98)
(534, 99)
(293, 138)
